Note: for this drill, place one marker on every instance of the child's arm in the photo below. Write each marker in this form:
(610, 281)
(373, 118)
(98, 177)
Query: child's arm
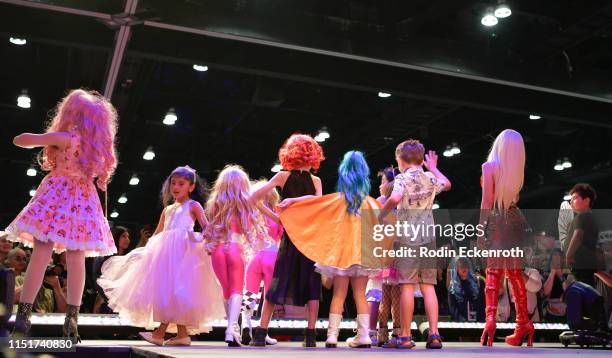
(278, 179)
(197, 211)
(60, 140)
(390, 204)
(431, 163)
(318, 192)
(268, 212)
(160, 225)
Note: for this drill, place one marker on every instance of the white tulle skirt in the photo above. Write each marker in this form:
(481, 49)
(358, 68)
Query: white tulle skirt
(170, 280)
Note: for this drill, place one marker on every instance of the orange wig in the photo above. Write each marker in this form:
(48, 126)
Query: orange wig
(300, 150)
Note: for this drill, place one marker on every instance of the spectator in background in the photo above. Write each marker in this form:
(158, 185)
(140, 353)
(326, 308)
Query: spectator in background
(145, 233)
(465, 291)
(554, 309)
(50, 298)
(5, 247)
(581, 255)
(121, 235)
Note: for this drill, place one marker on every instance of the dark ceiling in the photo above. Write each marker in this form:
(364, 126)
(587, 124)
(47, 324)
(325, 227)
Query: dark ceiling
(278, 67)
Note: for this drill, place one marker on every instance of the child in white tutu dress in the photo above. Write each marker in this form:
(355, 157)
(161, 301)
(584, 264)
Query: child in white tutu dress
(170, 281)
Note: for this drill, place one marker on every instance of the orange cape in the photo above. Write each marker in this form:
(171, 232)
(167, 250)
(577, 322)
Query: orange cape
(323, 230)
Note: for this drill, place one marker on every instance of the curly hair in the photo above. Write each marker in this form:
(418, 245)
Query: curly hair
(230, 200)
(95, 119)
(300, 150)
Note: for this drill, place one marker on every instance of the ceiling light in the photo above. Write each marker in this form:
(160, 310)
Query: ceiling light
(170, 117)
(489, 18)
(31, 172)
(122, 199)
(17, 41)
(384, 94)
(134, 180)
(149, 154)
(200, 68)
(277, 168)
(23, 100)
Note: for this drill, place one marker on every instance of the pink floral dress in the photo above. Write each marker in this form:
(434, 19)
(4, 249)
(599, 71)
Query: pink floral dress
(65, 210)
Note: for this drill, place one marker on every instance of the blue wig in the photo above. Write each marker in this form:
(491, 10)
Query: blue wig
(353, 180)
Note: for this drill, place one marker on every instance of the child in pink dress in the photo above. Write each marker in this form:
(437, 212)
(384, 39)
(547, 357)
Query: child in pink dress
(261, 266)
(65, 213)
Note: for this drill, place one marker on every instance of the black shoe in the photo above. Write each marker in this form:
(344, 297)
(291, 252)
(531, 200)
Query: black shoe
(310, 338)
(246, 336)
(259, 337)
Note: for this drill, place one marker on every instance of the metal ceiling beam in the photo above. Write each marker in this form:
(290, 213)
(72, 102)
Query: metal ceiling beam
(68, 10)
(121, 40)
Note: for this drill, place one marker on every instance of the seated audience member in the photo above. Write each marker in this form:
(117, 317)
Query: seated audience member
(5, 247)
(50, 298)
(554, 307)
(121, 235)
(465, 291)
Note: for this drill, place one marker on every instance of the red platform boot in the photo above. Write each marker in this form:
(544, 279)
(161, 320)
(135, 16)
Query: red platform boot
(524, 326)
(493, 279)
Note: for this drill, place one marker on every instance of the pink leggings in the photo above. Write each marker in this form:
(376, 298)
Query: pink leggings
(228, 263)
(261, 267)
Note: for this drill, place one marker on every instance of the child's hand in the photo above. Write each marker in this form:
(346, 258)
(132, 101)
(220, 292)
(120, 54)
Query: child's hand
(285, 204)
(431, 160)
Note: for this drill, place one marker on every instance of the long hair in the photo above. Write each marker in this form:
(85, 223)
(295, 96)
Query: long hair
(455, 287)
(271, 199)
(198, 193)
(95, 119)
(230, 200)
(353, 180)
(508, 156)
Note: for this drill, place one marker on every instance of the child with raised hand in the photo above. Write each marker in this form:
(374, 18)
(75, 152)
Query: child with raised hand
(413, 193)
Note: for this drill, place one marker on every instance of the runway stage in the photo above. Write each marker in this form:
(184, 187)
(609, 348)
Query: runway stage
(125, 349)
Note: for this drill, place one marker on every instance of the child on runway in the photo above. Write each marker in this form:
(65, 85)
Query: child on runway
(414, 190)
(294, 281)
(335, 231)
(169, 281)
(65, 213)
(232, 238)
(261, 266)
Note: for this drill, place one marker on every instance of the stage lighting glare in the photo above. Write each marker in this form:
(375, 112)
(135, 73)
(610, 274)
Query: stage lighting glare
(24, 100)
(567, 197)
(32, 192)
(534, 117)
(489, 19)
(31, 172)
(559, 166)
(435, 206)
(502, 11)
(566, 163)
(455, 149)
(384, 94)
(114, 214)
(17, 41)
(200, 68)
(134, 180)
(122, 199)
(170, 117)
(277, 168)
(149, 154)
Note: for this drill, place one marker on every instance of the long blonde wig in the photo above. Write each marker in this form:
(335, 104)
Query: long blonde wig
(508, 157)
(230, 200)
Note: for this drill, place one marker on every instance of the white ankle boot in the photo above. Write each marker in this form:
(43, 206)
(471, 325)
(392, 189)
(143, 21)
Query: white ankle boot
(270, 341)
(362, 339)
(333, 328)
(232, 333)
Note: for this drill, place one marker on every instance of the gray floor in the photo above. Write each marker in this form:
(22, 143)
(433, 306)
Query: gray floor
(450, 350)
